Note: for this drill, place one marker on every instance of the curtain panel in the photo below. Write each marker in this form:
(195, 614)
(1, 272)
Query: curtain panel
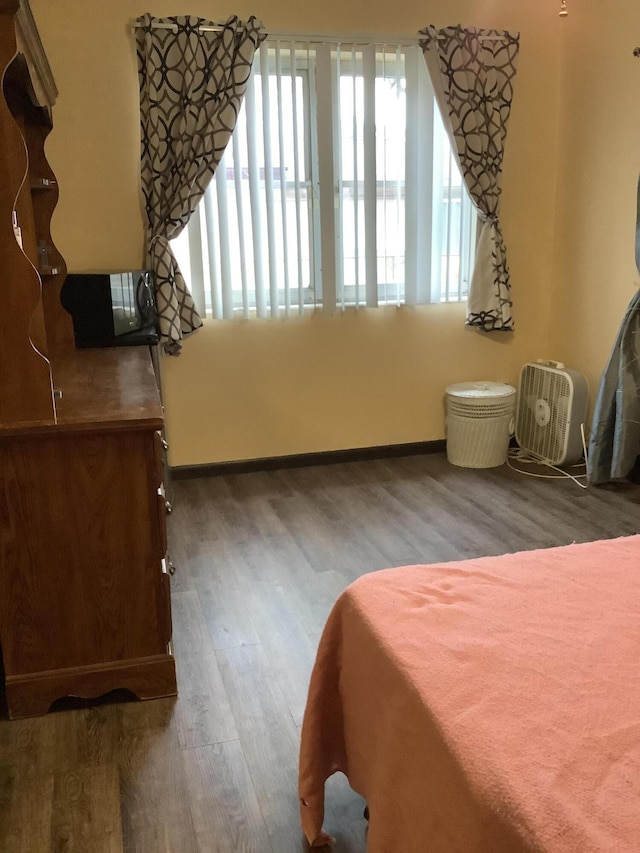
(193, 75)
(472, 73)
(614, 442)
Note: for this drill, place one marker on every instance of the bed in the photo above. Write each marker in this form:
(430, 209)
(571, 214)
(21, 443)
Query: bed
(485, 705)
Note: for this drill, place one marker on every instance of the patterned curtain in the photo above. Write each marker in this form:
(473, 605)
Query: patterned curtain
(472, 74)
(192, 82)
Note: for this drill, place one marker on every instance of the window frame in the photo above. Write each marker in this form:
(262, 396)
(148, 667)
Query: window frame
(325, 226)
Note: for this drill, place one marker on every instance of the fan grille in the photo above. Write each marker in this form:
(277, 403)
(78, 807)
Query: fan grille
(543, 412)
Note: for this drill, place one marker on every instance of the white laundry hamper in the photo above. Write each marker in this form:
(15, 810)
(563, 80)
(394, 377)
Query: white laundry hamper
(480, 417)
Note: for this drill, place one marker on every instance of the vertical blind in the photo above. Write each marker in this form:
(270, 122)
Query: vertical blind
(338, 189)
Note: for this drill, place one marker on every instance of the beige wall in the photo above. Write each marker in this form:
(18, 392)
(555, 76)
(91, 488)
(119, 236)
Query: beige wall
(266, 388)
(598, 165)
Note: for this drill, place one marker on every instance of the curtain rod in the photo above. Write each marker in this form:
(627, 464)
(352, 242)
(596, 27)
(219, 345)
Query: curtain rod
(312, 38)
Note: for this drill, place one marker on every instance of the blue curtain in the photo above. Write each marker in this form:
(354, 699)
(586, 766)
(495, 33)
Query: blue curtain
(614, 443)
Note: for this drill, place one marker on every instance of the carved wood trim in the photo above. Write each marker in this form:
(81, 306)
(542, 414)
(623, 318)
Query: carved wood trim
(32, 694)
(29, 44)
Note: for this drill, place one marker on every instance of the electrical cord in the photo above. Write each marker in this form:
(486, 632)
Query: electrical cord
(528, 457)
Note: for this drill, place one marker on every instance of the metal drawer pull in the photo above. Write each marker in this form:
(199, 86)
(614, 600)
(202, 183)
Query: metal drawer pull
(167, 503)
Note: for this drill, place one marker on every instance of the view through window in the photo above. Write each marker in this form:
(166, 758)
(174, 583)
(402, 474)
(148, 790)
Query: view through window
(338, 188)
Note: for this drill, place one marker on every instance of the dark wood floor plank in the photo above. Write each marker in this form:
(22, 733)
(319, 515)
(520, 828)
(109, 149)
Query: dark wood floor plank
(191, 636)
(327, 540)
(285, 640)
(269, 740)
(225, 610)
(154, 802)
(223, 803)
(26, 807)
(203, 715)
(86, 810)
(280, 563)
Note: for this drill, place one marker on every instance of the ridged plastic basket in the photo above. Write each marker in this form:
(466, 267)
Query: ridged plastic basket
(479, 423)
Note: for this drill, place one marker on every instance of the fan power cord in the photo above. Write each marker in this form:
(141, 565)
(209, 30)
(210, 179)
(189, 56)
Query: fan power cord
(528, 457)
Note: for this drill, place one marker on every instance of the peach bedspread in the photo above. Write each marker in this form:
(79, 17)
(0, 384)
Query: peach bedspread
(485, 705)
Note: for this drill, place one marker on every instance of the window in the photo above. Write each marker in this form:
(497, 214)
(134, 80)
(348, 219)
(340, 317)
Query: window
(338, 189)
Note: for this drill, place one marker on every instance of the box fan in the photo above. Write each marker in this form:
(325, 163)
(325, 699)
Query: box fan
(551, 411)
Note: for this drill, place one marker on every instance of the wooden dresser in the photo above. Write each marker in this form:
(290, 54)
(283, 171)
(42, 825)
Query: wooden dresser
(84, 588)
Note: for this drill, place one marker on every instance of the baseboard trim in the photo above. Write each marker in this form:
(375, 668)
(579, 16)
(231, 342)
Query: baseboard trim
(304, 460)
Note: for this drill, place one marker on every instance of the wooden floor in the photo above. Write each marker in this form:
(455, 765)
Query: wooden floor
(261, 557)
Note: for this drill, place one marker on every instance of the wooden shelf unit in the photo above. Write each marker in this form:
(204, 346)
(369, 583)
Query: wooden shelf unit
(84, 589)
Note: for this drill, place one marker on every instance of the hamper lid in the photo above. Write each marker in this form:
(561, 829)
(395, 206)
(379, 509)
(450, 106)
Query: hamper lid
(480, 390)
